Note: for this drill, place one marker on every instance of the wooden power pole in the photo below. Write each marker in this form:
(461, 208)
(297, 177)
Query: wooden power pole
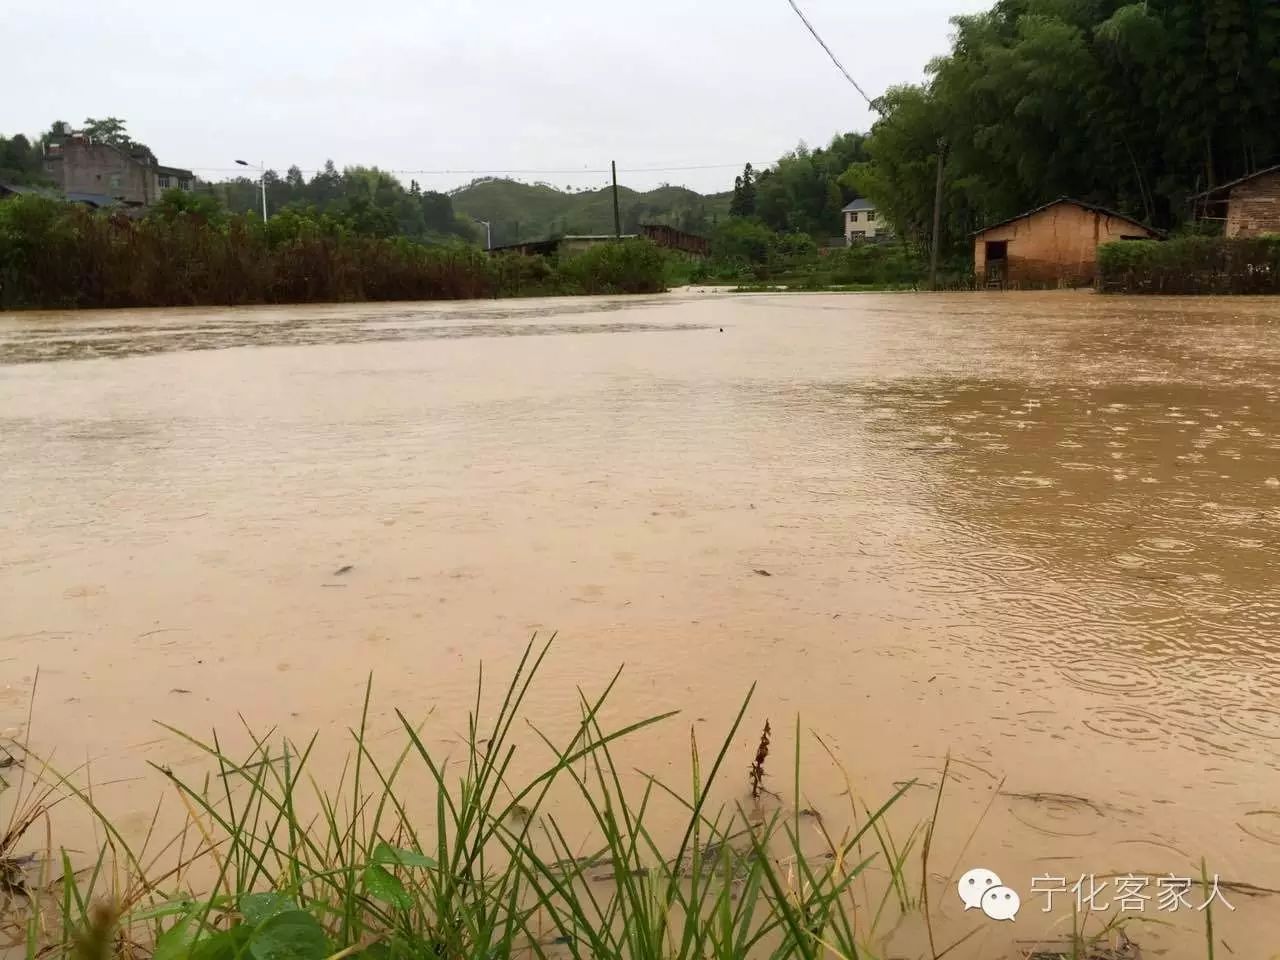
(617, 216)
(937, 217)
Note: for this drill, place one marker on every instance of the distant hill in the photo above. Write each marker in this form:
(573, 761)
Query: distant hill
(525, 211)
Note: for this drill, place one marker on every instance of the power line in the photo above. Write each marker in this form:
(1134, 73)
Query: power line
(429, 172)
(511, 170)
(834, 59)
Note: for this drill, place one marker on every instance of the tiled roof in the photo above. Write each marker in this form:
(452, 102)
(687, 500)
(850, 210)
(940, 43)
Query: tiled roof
(1079, 203)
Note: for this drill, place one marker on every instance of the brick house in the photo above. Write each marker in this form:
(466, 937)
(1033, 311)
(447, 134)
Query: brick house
(1249, 206)
(83, 166)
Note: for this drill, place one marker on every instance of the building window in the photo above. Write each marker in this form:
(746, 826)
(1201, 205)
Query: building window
(115, 181)
(871, 215)
(858, 234)
(853, 216)
(184, 184)
(164, 183)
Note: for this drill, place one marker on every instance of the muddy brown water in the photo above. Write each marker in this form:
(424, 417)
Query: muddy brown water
(1039, 532)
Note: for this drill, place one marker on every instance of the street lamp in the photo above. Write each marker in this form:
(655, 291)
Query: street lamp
(262, 178)
(488, 232)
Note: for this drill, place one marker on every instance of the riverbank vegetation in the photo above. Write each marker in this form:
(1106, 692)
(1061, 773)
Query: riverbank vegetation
(188, 251)
(747, 252)
(430, 852)
(1200, 265)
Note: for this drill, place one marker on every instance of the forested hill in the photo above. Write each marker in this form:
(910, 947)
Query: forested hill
(523, 211)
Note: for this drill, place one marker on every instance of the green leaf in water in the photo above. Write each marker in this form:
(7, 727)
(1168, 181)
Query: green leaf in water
(385, 853)
(385, 887)
(175, 943)
(258, 907)
(224, 945)
(292, 935)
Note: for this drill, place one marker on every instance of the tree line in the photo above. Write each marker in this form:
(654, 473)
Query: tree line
(370, 201)
(366, 200)
(804, 191)
(1133, 106)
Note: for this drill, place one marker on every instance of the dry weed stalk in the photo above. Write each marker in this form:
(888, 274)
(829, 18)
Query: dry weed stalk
(757, 768)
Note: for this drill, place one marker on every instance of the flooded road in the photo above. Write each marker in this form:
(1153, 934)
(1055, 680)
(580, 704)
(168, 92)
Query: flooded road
(1039, 532)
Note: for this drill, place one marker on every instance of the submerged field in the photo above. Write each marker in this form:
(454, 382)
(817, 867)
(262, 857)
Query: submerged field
(1033, 534)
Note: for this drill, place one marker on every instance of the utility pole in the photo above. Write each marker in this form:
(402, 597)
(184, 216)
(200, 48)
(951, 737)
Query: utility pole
(617, 216)
(262, 180)
(937, 217)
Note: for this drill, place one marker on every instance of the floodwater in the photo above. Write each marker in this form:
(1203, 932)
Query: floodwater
(1038, 532)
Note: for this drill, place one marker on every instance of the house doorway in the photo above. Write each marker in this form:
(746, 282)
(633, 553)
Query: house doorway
(997, 262)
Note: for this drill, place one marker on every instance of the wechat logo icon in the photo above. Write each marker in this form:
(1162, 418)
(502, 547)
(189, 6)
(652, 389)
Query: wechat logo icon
(981, 889)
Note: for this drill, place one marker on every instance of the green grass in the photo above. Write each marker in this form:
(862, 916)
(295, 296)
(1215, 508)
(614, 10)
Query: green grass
(481, 865)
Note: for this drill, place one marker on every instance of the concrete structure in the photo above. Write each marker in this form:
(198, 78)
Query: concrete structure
(1250, 206)
(861, 222)
(1055, 245)
(88, 168)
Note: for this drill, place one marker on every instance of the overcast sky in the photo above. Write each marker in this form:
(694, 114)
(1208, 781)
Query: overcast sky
(461, 85)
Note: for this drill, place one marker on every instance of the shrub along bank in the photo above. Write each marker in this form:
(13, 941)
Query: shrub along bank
(57, 255)
(1191, 265)
(746, 252)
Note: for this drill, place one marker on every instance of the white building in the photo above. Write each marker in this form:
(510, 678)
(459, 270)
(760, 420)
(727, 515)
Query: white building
(861, 223)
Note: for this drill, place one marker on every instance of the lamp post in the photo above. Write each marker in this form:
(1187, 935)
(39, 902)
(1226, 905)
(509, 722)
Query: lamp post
(488, 232)
(262, 179)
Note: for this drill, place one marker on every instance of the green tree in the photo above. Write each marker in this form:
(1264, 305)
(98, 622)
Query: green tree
(744, 194)
(742, 240)
(174, 204)
(113, 130)
(20, 160)
(1133, 105)
(804, 191)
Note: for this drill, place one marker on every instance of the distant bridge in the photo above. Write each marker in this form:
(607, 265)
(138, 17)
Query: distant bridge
(657, 233)
(674, 239)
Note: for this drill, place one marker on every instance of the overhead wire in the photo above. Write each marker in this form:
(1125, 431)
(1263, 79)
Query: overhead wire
(540, 171)
(834, 58)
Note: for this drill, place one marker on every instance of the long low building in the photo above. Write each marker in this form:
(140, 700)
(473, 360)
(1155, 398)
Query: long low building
(662, 235)
(1055, 245)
